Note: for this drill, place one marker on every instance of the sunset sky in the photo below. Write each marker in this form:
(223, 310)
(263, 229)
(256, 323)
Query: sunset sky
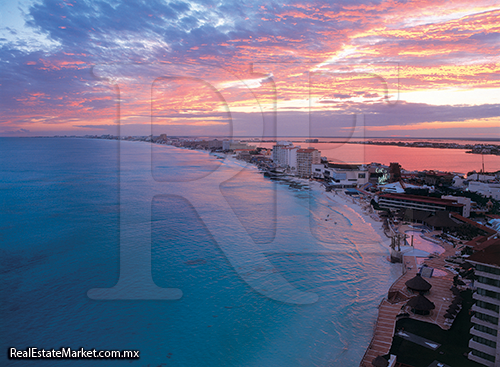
(405, 68)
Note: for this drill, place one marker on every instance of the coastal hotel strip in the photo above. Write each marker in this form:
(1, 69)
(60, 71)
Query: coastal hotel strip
(443, 232)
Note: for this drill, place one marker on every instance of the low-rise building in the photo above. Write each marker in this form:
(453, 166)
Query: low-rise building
(488, 189)
(487, 230)
(424, 203)
(458, 182)
(378, 174)
(342, 175)
(462, 200)
(436, 178)
(234, 145)
(480, 177)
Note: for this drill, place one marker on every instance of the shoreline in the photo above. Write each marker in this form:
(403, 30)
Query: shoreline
(359, 208)
(346, 201)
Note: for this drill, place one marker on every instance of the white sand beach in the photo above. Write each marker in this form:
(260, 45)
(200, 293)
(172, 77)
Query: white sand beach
(355, 207)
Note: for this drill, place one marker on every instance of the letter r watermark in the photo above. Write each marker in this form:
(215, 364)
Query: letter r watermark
(135, 278)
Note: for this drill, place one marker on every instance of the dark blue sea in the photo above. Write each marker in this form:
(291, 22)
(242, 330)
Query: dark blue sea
(216, 265)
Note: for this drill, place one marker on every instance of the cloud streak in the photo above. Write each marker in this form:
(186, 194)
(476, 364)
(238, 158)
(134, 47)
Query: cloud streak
(319, 58)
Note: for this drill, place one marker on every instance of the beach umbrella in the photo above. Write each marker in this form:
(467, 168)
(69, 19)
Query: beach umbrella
(448, 316)
(380, 362)
(418, 284)
(452, 311)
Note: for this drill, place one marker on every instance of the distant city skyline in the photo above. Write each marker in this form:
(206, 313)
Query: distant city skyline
(388, 69)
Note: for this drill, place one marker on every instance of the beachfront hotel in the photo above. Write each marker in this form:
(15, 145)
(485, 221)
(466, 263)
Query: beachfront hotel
(305, 159)
(423, 203)
(485, 338)
(341, 175)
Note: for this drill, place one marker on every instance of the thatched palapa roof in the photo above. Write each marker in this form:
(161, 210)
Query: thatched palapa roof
(421, 303)
(419, 284)
(380, 362)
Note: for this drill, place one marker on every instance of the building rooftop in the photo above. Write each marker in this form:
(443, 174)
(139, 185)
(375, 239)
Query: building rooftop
(476, 242)
(441, 219)
(344, 166)
(422, 199)
(489, 255)
(416, 215)
(489, 231)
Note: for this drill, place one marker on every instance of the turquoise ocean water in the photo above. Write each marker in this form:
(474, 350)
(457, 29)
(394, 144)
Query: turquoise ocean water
(222, 243)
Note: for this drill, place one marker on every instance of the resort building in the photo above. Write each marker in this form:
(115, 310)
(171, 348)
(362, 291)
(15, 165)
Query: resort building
(280, 153)
(210, 144)
(285, 155)
(480, 177)
(485, 338)
(233, 145)
(290, 158)
(378, 173)
(439, 220)
(305, 159)
(436, 178)
(462, 200)
(342, 175)
(487, 230)
(424, 203)
(488, 189)
(459, 182)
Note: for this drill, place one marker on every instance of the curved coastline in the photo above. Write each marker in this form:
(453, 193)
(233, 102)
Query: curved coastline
(353, 211)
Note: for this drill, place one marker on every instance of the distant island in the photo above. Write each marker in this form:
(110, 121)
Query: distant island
(473, 148)
(490, 149)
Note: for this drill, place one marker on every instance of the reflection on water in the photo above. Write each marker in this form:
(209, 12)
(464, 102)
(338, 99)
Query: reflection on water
(452, 160)
(60, 238)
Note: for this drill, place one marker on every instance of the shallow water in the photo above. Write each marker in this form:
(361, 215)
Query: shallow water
(222, 243)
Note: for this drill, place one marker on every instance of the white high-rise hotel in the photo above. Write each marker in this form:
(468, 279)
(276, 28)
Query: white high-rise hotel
(285, 155)
(485, 339)
(296, 160)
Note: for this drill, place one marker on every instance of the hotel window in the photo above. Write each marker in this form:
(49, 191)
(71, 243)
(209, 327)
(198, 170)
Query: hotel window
(491, 294)
(488, 306)
(483, 355)
(488, 318)
(484, 341)
(488, 269)
(488, 281)
(485, 329)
